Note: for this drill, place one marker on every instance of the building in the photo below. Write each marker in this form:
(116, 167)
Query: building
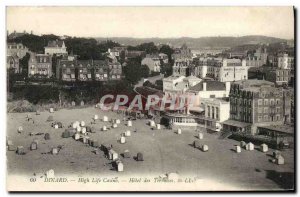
(209, 89)
(85, 69)
(284, 61)
(278, 76)
(182, 53)
(182, 67)
(255, 103)
(88, 70)
(40, 65)
(57, 47)
(16, 49)
(216, 111)
(15, 34)
(164, 58)
(178, 84)
(257, 59)
(153, 63)
(221, 69)
(66, 70)
(12, 63)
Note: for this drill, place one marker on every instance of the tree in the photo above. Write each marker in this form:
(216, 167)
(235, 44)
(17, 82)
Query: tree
(166, 49)
(23, 63)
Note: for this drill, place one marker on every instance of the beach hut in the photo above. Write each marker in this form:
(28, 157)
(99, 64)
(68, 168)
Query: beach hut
(200, 136)
(73, 103)
(128, 133)
(85, 139)
(82, 123)
(120, 166)
(276, 154)
(77, 136)
(122, 140)
(118, 121)
(105, 119)
(33, 145)
(126, 154)
(238, 149)
(204, 148)
(96, 117)
(242, 144)
(83, 130)
(104, 128)
(129, 123)
(54, 151)
(112, 155)
(47, 136)
(20, 150)
(114, 125)
(152, 123)
(139, 157)
(78, 128)
(50, 174)
(280, 160)
(196, 144)
(158, 126)
(82, 103)
(250, 146)
(20, 129)
(179, 131)
(50, 119)
(51, 110)
(264, 148)
(55, 126)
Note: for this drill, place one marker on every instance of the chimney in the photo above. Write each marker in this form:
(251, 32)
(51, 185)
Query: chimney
(204, 86)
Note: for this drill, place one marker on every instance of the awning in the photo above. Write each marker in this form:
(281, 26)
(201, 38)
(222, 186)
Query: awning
(236, 123)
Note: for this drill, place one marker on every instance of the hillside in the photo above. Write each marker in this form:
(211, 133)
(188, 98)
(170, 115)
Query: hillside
(197, 42)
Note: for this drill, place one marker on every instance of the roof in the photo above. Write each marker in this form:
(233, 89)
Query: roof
(236, 123)
(192, 78)
(210, 86)
(55, 43)
(280, 128)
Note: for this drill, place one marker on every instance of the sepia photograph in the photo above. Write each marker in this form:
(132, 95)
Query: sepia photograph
(150, 99)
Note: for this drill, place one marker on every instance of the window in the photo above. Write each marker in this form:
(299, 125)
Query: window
(217, 113)
(277, 109)
(277, 117)
(266, 110)
(271, 101)
(213, 112)
(266, 102)
(277, 101)
(259, 110)
(266, 118)
(259, 101)
(208, 111)
(259, 118)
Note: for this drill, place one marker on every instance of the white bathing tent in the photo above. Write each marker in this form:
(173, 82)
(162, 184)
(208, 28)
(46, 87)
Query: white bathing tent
(200, 136)
(129, 123)
(264, 148)
(238, 149)
(179, 131)
(128, 133)
(122, 140)
(112, 155)
(105, 119)
(250, 146)
(204, 148)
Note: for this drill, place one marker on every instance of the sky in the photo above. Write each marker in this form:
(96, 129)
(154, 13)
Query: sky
(148, 22)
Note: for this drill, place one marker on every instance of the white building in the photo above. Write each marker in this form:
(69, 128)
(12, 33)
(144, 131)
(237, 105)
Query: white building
(284, 61)
(209, 89)
(216, 111)
(152, 62)
(221, 69)
(57, 47)
(179, 84)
